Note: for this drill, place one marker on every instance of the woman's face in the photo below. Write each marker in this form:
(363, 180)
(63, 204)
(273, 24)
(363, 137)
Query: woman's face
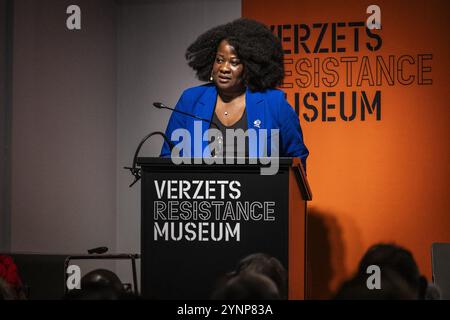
(227, 69)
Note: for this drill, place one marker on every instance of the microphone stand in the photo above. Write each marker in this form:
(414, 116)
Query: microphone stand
(137, 172)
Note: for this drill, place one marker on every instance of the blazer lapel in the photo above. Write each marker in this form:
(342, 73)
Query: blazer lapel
(255, 118)
(255, 107)
(205, 110)
(206, 105)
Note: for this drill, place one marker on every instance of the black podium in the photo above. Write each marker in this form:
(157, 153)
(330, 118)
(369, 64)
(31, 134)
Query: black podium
(199, 220)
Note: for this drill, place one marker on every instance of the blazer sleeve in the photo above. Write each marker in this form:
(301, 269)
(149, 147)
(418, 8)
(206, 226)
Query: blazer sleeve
(176, 121)
(291, 135)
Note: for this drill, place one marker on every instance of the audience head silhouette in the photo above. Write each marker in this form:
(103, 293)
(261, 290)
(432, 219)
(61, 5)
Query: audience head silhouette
(399, 260)
(258, 276)
(393, 287)
(99, 284)
(400, 278)
(266, 265)
(102, 278)
(247, 285)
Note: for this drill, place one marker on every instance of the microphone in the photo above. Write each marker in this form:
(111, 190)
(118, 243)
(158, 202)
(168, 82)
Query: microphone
(161, 105)
(137, 172)
(98, 250)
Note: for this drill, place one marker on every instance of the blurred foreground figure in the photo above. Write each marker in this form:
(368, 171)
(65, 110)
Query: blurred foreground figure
(11, 287)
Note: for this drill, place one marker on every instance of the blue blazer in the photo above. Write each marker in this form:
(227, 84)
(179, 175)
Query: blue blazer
(265, 110)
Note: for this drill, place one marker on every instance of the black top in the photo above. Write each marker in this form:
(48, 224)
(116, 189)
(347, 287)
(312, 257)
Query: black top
(239, 150)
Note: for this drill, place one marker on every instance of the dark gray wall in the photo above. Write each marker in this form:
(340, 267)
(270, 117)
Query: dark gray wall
(5, 123)
(81, 104)
(152, 39)
(63, 128)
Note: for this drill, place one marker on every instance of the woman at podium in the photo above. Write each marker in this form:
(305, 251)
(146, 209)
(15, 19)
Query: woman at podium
(242, 113)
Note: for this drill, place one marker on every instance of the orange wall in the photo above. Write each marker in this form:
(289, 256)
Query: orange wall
(385, 180)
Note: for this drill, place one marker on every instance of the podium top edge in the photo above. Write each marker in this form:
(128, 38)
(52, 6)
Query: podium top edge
(258, 162)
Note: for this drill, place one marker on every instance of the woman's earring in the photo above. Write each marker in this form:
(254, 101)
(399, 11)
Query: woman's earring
(211, 78)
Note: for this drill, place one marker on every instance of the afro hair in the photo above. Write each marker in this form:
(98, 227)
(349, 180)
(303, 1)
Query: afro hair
(258, 49)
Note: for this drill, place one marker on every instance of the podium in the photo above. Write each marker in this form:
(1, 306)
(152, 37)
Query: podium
(199, 220)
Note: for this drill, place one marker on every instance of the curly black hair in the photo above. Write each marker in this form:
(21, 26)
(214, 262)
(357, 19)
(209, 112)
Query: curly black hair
(258, 49)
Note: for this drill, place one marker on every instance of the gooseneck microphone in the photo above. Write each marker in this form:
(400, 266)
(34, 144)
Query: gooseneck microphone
(161, 105)
(136, 172)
